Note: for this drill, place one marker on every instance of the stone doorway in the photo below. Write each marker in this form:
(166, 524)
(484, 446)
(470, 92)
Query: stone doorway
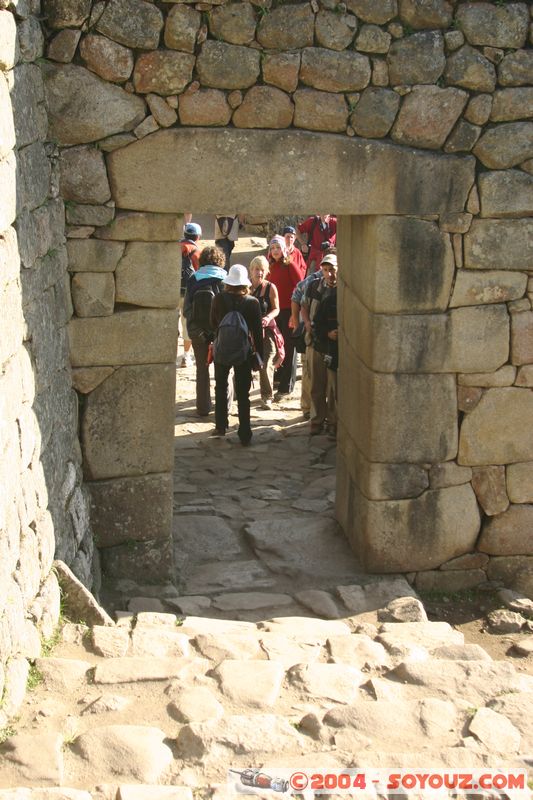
(399, 350)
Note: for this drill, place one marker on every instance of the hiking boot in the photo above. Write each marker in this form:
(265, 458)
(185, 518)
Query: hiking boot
(281, 396)
(266, 405)
(187, 360)
(217, 433)
(315, 430)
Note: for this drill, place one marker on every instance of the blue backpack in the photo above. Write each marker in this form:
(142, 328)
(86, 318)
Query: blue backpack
(232, 345)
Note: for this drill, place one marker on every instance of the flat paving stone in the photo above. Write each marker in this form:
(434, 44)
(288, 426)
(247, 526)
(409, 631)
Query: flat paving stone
(224, 576)
(136, 669)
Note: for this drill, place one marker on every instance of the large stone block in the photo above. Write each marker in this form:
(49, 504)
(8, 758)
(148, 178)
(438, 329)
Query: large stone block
(522, 338)
(377, 11)
(516, 69)
(7, 125)
(416, 59)
(93, 294)
(470, 70)
(499, 430)
(143, 562)
(510, 533)
(89, 255)
(413, 535)
(227, 66)
(507, 193)
(133, 23)
(429, 14)
(382, 481)
(400, 265)
(427, 116)
(335, 31)
(401, 417)
(132, 226)
(139, 336)
(163, 72)
(331, 71)
(520, 482)
(321, 111)
(494, 25)
(8, 182)
(181, 28)
(27, 96)
(110, 60)
(375, 112)
(281, 70)
(264, 107)
(505, 145)
(128, 423)
(206, 107)
(149, 175)
(512, 104)
(490, 286)
(84, 108)
(287, 27)
(463, 340)
(495, 244)
(149, 274)
(66, 13)
(131, 509)
(83, 175)
(9, 51)
(235, 23)
(33, 176)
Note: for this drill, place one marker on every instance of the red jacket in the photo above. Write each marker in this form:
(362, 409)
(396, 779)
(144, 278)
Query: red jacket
(284, 277)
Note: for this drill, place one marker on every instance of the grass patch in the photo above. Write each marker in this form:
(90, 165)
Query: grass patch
(6, 733)
(35, 677)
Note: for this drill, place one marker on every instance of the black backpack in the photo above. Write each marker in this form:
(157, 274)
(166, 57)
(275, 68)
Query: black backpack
(232, 341)
(202, 300)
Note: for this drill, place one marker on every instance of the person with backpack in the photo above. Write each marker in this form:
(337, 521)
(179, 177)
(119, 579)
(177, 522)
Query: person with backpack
(238, 344)
(319, 313)
(320, 232)
(202, 287)
(273, 345)
(190, 254)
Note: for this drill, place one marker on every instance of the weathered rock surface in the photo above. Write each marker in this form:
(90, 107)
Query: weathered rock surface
(93, 294)
(499, 244)
(427, 116)
(503, 412)
(468, 69)
(334, 30)
(375, 112)
(506, 193)
(155, 288)
(134, 23)
(287, 28)
(181, 28)
(206, 107)
(509, 533)
(264, 107)
(124, 751)
(496, 26)
(334, 72)
(322, 111)
(416, 59)
(83, 176)
(163, 72)
(505, 145)
(83, 108)
(227, 66)
(111, 61)
(235, 23)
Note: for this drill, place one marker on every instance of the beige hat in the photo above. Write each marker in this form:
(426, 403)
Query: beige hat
(331, 258)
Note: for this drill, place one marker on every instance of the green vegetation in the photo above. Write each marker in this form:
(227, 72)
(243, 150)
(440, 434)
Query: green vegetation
(6, 733)
(35, 678)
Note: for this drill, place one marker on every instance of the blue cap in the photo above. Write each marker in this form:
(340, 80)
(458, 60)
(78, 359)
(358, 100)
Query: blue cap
(289, 229)
(192, 229)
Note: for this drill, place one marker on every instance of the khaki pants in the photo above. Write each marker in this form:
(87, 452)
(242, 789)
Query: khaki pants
(323, 391)
(266, 374)
(305, 402)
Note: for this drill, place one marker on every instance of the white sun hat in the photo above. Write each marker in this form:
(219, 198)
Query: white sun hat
(237, 276)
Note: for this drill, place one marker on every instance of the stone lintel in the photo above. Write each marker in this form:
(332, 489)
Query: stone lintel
(346, 176)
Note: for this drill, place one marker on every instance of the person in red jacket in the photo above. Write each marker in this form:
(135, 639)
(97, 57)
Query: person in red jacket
(284, 274)
(316, 235)
(289, 234)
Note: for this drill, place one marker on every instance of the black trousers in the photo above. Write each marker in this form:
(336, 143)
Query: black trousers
(287, 372)
(243, 380)
(227, 246)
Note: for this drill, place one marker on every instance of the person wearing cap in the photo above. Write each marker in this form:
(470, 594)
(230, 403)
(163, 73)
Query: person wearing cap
(317, 234)
(289, 234)
(319, 314)
(226, 233)
(235, 297)
(284, 274)
(190, 255)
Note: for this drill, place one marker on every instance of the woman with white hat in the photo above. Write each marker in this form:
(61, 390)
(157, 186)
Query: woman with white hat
(235, 298)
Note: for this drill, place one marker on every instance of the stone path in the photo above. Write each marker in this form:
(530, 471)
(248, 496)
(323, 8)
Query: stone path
(281, 655)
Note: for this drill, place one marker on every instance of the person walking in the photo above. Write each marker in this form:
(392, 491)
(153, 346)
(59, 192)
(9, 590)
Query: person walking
(319, 313)
(202, 287)
(285, 275)
(274, 350)
(190, 255)
(226, 234)
(236, 320)
(317, 234)
(289, 234)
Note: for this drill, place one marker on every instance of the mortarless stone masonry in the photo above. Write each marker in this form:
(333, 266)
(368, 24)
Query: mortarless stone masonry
(410, 121)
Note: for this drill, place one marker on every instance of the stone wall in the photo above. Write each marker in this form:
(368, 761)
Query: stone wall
(373, 107)
(43, 507)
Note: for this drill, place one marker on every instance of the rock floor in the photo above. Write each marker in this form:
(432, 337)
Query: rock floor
(273, 652)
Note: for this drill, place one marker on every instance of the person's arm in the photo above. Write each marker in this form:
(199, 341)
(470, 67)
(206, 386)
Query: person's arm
(295, 315)
(302, 235)
(304, 310)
